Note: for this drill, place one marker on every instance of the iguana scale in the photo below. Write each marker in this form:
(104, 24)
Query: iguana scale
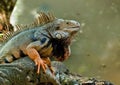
(40, 43)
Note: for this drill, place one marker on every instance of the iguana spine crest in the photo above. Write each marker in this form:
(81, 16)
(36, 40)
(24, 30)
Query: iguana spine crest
(41, 19)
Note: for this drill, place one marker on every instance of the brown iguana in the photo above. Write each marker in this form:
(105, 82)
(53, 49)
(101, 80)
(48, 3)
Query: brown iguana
(40, 43)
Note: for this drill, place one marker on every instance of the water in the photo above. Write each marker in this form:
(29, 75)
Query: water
(96, 51)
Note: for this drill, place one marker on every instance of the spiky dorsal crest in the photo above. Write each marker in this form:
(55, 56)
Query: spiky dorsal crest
(41, 19)
(5, 35)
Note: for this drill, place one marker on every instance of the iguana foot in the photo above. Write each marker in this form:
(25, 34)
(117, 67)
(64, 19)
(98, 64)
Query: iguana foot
(48, 62)
(40, 63)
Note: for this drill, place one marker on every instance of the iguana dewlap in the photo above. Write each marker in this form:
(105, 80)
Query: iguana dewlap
(41, 42)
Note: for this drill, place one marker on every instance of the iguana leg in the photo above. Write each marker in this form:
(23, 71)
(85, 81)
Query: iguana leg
(34, 55)
(48, 62)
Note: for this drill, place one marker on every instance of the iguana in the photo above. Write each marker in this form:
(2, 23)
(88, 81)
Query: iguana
(40, 42)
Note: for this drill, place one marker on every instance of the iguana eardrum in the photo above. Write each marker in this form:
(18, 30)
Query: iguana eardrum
(40, 43)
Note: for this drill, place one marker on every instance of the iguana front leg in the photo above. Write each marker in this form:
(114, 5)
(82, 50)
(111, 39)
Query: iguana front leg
(34, 55)
(32, 51)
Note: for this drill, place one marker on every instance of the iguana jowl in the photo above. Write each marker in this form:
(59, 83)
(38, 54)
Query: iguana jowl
(41, 42)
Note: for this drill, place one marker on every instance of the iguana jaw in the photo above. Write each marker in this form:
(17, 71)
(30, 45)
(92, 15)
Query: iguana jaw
(67, 51)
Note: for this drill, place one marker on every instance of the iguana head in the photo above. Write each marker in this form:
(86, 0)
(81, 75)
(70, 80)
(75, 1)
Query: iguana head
(62, 32)
(69, 26)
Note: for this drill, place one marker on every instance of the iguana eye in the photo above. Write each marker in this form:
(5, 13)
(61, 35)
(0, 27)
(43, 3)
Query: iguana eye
(67, 23)
(57, 28)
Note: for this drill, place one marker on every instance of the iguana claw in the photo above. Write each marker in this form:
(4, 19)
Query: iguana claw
(40, 63)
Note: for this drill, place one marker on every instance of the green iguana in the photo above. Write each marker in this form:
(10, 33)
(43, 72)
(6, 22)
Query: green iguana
(40, 43)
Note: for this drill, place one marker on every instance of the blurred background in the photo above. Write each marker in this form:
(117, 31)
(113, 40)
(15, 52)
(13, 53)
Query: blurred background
(96, 50)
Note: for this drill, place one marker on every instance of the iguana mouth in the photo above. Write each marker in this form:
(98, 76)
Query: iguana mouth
(72, 29)
(61, 50)
(75, 27)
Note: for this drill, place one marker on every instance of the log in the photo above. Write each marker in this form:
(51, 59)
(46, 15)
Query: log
(23, 72)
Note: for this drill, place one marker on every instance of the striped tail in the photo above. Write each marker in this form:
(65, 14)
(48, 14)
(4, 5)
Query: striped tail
(12, 57)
